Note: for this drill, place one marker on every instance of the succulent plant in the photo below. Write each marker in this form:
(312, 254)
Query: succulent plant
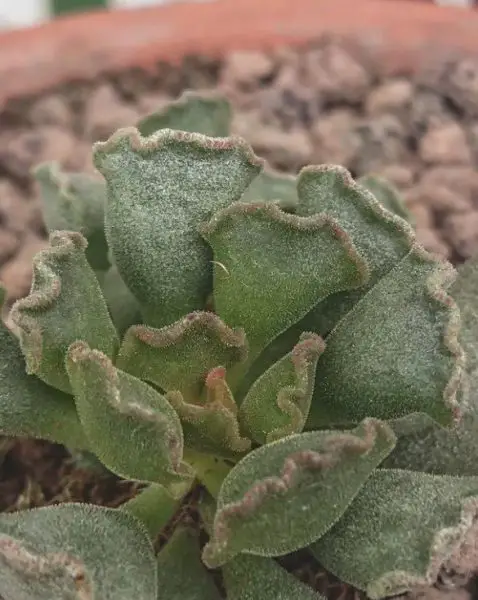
(283, 342)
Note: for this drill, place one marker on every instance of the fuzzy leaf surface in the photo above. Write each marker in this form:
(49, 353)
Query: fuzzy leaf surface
(64, 305)
(272, 186)
(268, 291)
(132, 428)
(75, 202)
(388, 196)
(278, 402)
(29, 407)
(75, 552)
(212, 427)
(399, 531)
(411, 362)
(209, 114)
(122, 305)
(159, 190)
(259, 578)
(284, 495)
(181, 574)
(179, 356)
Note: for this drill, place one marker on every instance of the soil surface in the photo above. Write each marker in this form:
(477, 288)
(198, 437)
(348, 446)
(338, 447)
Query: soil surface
(322, 103)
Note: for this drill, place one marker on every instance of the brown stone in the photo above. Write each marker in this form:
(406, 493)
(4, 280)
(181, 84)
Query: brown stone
(335, 138)
(105, 112)
(445, 144)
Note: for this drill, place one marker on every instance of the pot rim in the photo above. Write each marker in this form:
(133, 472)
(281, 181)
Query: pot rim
(400, 33)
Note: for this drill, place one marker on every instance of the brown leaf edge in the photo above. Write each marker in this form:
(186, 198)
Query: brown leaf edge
(447, 542)
(32, 565)
(275, 213)
(44, 292)
(436, 283)
(79, 352)
(145, 146)
(335, 448)
(203, 321)
(219, 402)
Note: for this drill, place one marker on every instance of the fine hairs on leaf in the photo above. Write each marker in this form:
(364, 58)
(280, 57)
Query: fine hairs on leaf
(279, 345)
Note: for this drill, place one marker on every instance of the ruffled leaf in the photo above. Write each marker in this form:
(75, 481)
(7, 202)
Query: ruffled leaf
(206, 113)
(179, 356)
(396, 353)
(271, 267)
(212, 427)
(259, 578)
(64, 305)
(75, 551)
(387, 195)
(272, 186)
(29, 407)
(278, 402)
(399, 531)
(181, 574)
(284, 495)
(75, 202)
(131, 427)
(159, 190)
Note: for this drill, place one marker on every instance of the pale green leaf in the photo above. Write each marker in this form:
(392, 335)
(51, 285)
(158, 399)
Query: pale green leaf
(388, 196)
(73, 552)
(181, 574)
(283, 496)
(29, 407)
(278, 402)
(396, 352)
(179, 356)
(259, 578)
(272, 186)
(75, 202)
(159, 191)
(64, 305)
(131, 427)
(271, 267)
(122, 305)
(207, 113)
(399, 531)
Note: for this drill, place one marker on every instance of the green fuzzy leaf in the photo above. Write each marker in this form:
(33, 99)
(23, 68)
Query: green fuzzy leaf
(159, 190)
(283, 496)
(181, 574)
(278, 402)
(266, 292)
(75, 551)
(131, 427)
(396, 353)
(399, 531)
(271, 186)
(179, 356)
(259, 578)
(423, 445)
(64, 305)
(75, 202)
(29, 407)
(122, 305)
(388, 196)
(209, 114)
(212, 427)
(381, 238)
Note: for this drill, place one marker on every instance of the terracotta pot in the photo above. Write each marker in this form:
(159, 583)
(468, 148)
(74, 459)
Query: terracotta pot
(401, 32)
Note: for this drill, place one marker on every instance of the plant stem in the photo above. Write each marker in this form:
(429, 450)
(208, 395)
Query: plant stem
(210, 470)
(155, 505)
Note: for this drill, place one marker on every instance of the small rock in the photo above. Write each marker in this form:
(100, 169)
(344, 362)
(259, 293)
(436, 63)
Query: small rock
(150, 103)
(105, 112)
(9, 243)
(438, 199)
(462, 181)
(428, 109)
(52, 110)
(336, 74)
(20, 150)
(445, 144)
(461, 231)
(401, 176)
(17, 273)
(14, 208)
(392, 96)
(246, 69)
(433, 242)
(461, 85)
(335, 138)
